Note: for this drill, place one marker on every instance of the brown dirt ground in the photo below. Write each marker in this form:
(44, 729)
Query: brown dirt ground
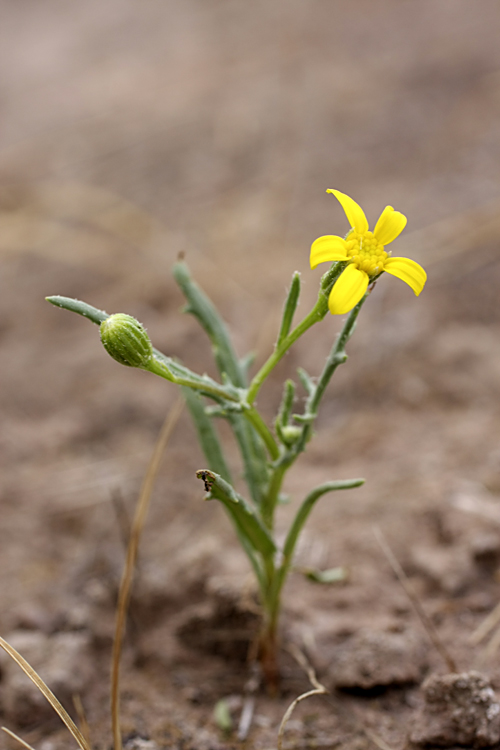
(133, 131)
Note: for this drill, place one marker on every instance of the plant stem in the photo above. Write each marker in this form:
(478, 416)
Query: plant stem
(206, 386)
(337, 356)
(317, 313)
(271, 499)
(256, 420)
(268, 656)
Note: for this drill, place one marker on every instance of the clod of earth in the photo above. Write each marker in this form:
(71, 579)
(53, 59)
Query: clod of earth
(449, 569)
(459, 709)
(371, 659)
(226, 625)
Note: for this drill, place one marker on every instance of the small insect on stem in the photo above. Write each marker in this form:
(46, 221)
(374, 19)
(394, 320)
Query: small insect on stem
(207, 478)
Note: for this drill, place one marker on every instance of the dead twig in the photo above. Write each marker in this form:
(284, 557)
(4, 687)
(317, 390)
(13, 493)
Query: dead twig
(414, 600)
(128, 571)
(318, 689)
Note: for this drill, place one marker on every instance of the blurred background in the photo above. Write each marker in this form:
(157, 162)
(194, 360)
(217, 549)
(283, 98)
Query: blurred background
(131, 132)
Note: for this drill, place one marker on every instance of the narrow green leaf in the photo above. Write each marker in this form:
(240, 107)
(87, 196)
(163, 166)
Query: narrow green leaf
(306, 381)
(207, 434)
(251, 447)
(203, 309)
(286, 405)
(79, 307)
(255, 469)
(331, 575)
(307, 507)
(291, 303)
(222, 716)
(243, 515)
(245, 364)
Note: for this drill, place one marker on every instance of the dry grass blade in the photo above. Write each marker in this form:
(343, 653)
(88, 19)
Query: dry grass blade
(318, 689)
(128, 571)
(486, 626)
(16, 737)
(492, 648)
(415, 601)
(49, 695)
(82, 718)
(378, 741)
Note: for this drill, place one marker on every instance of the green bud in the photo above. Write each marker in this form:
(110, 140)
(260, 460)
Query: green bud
(126, 340)
(291, 433)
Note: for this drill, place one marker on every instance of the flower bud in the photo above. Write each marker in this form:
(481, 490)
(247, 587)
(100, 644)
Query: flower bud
(291, 433)
(126, 340)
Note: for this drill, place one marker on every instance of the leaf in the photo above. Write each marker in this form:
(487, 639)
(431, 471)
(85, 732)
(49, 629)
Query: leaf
(207, 434)
(331, 575)
(222, 716)
(202, 308)
(243, 515)
(291, 303)
(306, 508)
(79, 307)
(250, 444)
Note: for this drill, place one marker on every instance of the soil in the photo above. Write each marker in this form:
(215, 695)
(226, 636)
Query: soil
(132, 132)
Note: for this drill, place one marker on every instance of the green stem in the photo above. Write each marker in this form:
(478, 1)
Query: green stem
(337, 357)
(209, 387)
(271, 500)
(317, 314)
(274, 598)
(253, 453)
(260, 426)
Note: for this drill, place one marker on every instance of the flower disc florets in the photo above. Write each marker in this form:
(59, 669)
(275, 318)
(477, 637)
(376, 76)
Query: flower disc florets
(366, 252)
(126, 340)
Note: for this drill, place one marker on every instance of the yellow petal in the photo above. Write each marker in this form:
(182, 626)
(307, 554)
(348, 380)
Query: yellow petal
(355, 214)
(348, 290)
(328, 248)
(389, 226)
(408, 271)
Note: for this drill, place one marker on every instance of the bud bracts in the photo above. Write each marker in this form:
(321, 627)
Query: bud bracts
(126, 340)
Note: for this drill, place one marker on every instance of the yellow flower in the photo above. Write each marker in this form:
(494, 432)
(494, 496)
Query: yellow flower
(364, 250)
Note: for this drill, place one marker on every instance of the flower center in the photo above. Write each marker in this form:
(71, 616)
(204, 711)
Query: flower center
(366, 252)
